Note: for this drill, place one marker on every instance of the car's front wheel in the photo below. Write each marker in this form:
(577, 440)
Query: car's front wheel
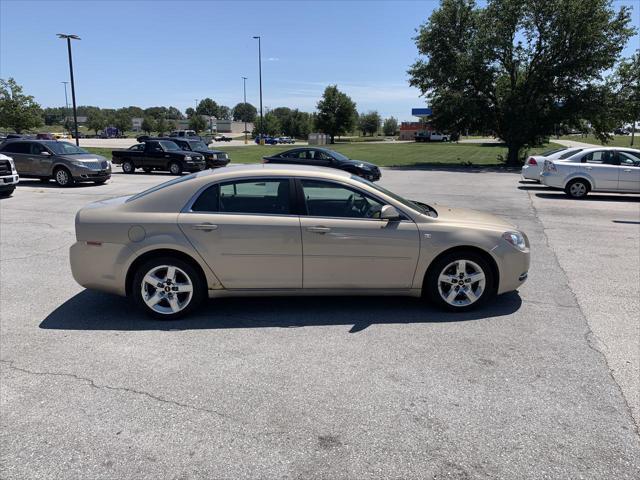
(460, 281)
(63, 177)
(577, 188)
(168, 288)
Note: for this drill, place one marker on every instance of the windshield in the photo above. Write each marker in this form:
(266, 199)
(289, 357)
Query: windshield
(417, 206)
(569, 153)
(169, 145)
(64, 148)
(198, 146)
(337, 155)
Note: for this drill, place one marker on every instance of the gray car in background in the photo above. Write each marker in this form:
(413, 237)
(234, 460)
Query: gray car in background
(61, 161)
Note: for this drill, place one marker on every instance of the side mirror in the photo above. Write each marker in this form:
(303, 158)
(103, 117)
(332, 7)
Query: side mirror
(45, 153)
(389, 212)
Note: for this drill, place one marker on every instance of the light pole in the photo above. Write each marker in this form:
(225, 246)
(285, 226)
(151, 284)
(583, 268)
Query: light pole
(244, 87)
(260, 75)
(66, 106)
(73, 87)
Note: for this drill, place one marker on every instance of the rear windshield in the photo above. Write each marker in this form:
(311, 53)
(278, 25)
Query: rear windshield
(551, 152)
(569, 153)
(175, 181)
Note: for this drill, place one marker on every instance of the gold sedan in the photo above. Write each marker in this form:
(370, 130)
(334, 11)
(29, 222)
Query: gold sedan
(294, 230)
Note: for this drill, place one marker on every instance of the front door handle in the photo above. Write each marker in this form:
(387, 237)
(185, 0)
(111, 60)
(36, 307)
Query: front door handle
(627, 170)
(318, 229)
(207, 227)
(589, 168)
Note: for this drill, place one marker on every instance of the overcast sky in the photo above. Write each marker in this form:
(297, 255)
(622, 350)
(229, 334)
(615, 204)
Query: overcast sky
(174, 52)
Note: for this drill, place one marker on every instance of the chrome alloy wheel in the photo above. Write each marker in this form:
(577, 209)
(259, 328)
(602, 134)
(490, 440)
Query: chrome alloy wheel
(167, 289)
(578, 189)
(62, 177)
(461, 283)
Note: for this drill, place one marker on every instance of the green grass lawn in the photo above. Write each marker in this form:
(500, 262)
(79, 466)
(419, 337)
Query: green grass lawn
(397, 155)
(617, 141)
(385, 154)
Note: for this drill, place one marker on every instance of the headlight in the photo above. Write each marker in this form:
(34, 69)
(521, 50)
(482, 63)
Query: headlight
(80, 164)
(516, 239)
(187, 158)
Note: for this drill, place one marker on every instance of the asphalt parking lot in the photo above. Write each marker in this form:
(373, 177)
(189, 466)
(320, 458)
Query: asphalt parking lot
(542, 384)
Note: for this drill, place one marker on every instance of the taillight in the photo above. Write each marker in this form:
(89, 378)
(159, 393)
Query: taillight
(532, 161)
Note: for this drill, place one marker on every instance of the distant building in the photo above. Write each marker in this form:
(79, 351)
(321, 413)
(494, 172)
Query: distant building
(136, 124)
(81, 119)
(217, 126)
(409, 130)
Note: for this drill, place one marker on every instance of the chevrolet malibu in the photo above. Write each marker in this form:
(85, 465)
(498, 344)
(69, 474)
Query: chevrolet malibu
(290, 230)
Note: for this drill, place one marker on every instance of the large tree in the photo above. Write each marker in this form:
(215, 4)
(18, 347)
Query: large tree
(208, 107)
(17, 110)
(244, 112)
(147, 125)
(336, 112)
(96, 121)
(197, 123)
(519, 67)
(627, 89)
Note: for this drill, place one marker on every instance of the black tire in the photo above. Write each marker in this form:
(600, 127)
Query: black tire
(128, 167)
(196, 279)
(431, 287)
(63, 177)
(7, 192)
(578, 188)
(147, 169)
(175, 168)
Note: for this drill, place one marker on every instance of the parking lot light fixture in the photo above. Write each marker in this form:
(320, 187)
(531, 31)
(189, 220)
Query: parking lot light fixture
(244, 87)
(260, 76)
(73, 87)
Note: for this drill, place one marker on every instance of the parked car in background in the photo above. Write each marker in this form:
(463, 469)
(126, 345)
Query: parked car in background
(431, 137)
(222, 138)
(162, 155)
(61, 161)
(184, 133)
(285, 229)
(9, 177)
(45, 136)
(286, 140)
(267, 140)
(323, 157)
(213, 158)
(533, 165)
(599, 169)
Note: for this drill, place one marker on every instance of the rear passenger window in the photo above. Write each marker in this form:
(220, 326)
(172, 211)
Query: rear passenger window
(269, 196)
(17, 147)
(599, 157)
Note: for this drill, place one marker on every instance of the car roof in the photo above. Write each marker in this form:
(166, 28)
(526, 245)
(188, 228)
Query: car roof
(261, 169)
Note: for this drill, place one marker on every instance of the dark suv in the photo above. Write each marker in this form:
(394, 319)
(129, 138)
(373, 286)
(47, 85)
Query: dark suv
(62, 161)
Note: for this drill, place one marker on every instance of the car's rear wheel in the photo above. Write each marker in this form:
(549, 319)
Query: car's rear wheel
(128, 166)
(460, 281)
(63, 177)
(577, 188)
(175, 168)
(168, 288)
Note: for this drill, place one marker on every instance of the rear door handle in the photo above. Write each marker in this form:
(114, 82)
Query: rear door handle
(627, 170)
(318, 229)
(589, 168)
(207, 227)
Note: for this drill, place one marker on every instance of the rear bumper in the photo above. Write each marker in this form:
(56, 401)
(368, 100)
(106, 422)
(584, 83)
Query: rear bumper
(551, 179)
(100, 267)
(531, 172)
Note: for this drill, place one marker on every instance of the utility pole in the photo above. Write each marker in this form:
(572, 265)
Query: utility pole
(66, 106)
(260, 75)
(73, 88)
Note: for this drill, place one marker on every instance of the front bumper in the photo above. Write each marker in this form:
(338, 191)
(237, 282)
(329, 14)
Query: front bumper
(194, 166)
(513, 266)
(217, 163)
(9, 181)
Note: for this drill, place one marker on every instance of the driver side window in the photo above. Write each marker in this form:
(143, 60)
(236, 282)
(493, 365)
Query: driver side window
(326, 199)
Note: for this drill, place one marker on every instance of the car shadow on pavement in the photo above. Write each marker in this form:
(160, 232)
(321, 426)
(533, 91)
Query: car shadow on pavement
(592, 197)
(28, 183)
(91, 310)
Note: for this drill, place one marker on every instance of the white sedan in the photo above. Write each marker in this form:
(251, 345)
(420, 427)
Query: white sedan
(533, 166)
(598, 169)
